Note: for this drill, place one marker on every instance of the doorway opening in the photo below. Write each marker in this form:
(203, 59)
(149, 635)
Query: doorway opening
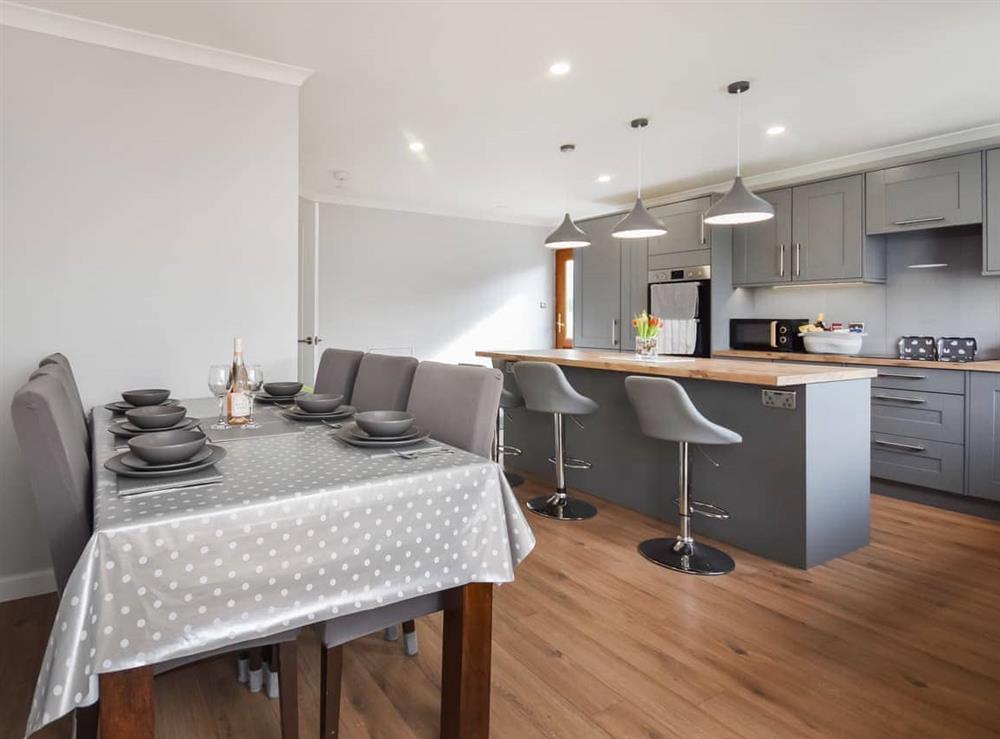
(564, 299)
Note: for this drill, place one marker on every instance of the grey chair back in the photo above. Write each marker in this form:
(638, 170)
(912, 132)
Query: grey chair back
(511, 396)
(383, 382)
(59, 360)
(458, 404)
(666, 412)
(338, 369)
(547, 390)
(58, 468)
(80, 424)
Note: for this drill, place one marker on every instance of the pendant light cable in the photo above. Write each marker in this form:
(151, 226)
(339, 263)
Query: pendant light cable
(638, 184)
(739, 128)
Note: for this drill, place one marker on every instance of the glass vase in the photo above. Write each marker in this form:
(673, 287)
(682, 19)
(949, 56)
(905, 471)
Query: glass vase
(645, 347)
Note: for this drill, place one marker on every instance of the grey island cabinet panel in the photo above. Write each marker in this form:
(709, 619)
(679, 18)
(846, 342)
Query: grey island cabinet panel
(984, 435)
(828, 234)
(991, 231)
(941, 192)
(762, 252)
(686, 229)
(597, 287)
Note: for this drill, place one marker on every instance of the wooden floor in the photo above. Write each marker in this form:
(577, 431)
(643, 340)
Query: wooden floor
(900, 639)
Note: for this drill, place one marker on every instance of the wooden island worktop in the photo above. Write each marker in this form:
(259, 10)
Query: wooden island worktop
(719, 370)
(982, 365)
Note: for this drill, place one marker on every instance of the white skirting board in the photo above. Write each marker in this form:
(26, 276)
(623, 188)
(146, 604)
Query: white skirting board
(26, 584)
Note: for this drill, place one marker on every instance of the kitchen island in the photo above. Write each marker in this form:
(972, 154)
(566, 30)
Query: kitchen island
(797, 488)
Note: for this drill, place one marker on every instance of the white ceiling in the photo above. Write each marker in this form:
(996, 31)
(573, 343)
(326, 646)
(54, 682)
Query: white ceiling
(471, 81)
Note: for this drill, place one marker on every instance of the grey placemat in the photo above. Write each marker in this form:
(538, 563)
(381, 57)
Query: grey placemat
(268, 426)
(136, 485)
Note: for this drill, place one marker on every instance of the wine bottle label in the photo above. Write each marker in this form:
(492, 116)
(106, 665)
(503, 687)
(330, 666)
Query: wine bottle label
(239, 405)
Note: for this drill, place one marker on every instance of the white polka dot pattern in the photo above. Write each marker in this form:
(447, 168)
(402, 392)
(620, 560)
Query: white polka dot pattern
(302, 529)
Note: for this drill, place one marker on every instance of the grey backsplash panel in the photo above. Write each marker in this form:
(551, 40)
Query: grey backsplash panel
(956, 300)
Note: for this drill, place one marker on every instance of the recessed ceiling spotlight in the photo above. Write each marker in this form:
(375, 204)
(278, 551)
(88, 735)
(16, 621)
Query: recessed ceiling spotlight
(416, 146)
(775, 130)
(603, 178)
(559, 69)
(340, 175)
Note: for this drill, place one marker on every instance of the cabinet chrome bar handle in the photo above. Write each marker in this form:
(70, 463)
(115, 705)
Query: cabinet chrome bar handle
(781, 260)
(899, 398)
(909, 221)
(703, 229)
(897, 445)
(614, 331)
(901, 376)
(798, 259)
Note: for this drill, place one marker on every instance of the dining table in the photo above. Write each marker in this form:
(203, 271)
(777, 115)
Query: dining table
(302, 528)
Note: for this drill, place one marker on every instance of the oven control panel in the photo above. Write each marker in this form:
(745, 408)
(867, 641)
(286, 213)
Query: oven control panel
(703, 272)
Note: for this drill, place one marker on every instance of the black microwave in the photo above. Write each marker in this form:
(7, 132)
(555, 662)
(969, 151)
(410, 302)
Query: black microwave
(766, 334)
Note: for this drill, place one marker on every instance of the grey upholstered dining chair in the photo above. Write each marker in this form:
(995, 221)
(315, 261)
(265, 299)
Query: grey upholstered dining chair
(458, 404)
(58, 372)
(338, 369)
(48, 431)
(60, 360)
(383, 382)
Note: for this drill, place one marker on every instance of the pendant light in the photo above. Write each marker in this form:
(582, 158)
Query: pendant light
(639, 223)
(568, 235)
(739, 205)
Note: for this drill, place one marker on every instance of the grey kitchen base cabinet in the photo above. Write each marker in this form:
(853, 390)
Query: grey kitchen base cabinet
(817, 235)
(597, 287)
(941, 192)
(984, 435)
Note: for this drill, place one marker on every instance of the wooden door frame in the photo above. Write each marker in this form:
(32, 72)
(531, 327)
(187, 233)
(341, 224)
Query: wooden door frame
(558, 315)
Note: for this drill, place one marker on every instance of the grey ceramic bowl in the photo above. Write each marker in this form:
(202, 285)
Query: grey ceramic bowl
(384, 423)
(156, 416)
(282, 389)
(322, 403)
(145, 397)
(167, 447)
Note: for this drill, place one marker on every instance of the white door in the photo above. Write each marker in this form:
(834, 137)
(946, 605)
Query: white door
(308, 293)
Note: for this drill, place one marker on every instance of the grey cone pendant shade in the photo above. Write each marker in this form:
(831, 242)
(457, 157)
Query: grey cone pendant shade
(567, 236)
(739, 205)
(639, 223)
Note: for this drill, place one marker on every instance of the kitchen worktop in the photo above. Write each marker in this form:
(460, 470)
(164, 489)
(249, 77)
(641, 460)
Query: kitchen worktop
(719, 370)
(988, 365)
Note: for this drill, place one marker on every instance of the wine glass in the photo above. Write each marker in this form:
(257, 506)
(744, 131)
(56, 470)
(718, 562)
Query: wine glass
(218, 384)
(255, 376)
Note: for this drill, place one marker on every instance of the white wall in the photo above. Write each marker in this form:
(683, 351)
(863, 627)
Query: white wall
(443, 286)
(149, 215)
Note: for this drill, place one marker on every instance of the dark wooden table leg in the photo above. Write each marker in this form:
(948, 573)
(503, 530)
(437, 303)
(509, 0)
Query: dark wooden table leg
(465, 678)
(86, 722)
(288, 687)
(127, 704)
(331, 674)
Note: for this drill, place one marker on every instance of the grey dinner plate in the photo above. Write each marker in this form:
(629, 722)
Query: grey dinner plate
(365, 436)
(346, 436)
(299, 415)
(128, 430)
(116, 465)
(129, 459)
(120, 406)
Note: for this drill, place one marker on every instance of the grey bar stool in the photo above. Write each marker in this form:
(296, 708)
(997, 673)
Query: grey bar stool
(511, 397)
(666, 412)
(546, 390)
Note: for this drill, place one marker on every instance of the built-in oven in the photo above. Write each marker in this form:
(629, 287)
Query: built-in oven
(682, 298)
(766, 334)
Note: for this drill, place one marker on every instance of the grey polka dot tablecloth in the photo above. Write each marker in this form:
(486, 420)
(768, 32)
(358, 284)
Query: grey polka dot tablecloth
(302, 528)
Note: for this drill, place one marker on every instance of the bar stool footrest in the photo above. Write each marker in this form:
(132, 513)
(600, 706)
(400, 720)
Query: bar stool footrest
(511, 451)
(706, 509)
(573, 463)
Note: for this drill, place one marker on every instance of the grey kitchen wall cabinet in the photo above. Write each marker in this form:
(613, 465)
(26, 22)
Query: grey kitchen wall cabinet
(685, 223)
(762, 252)
(991, 229)
(984, 435)
(829, 243)
(597, 287)
(634, 272)
(934, 194)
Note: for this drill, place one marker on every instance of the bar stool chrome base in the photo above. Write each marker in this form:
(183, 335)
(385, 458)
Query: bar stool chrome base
(691, 558)
(562, 507)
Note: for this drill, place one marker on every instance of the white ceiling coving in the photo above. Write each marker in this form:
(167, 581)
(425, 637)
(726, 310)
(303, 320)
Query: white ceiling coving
(471, 82)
